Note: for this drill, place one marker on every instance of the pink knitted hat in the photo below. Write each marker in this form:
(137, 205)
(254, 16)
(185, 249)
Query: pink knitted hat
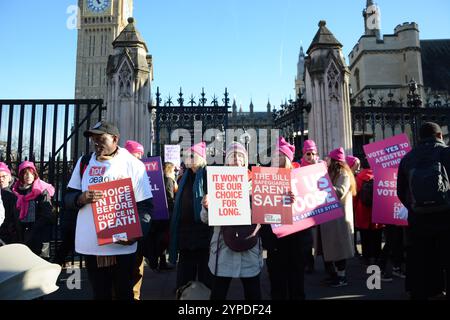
(285, 148)
(200, 149)
(4, 168)
(134, 147)
(26, 164)
(236, 147)
(351, 160)
(338, 155)
(309, 145)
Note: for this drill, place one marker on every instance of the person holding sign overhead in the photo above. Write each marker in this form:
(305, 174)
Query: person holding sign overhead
(226, 263)
(334, 238)
(110, 266)
(189, 236)
(285, 257)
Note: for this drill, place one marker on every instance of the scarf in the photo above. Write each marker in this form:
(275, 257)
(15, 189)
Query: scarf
(23, 201)
(198, 193)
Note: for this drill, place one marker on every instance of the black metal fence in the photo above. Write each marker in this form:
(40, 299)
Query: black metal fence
(377, 123)
(48, 133)
(372, 119)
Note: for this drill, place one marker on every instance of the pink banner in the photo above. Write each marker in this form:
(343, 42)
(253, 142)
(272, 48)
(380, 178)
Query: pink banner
(315, 200)
(387, 208)
(387, 153)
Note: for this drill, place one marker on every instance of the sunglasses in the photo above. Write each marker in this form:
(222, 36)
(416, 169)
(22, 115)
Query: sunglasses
(311, 154)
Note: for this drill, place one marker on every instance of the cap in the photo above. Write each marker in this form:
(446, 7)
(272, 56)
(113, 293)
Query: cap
(102, 127)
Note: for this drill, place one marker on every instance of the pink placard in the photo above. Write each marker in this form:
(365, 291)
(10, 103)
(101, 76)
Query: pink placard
(388, 152)
(315, 200)
(387, 208)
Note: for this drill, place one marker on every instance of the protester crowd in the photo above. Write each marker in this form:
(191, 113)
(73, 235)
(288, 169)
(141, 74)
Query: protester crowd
(418, 252)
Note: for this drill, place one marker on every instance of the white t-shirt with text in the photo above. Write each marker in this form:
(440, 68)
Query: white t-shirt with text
(122, 166)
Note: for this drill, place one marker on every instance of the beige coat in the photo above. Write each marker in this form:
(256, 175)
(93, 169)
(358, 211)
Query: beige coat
(337, 235)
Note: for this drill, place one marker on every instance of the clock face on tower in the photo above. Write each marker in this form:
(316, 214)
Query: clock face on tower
(97, 6)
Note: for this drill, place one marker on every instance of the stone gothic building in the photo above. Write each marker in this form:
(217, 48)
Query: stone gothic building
(385, 64)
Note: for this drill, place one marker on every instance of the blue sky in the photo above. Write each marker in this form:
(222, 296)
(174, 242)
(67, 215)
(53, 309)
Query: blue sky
(249, 46)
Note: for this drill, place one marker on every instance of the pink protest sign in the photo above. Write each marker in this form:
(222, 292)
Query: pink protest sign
(387, 208)
(387, 153)
(315, 200)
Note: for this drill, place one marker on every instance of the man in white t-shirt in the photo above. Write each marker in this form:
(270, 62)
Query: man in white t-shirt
(111, 264)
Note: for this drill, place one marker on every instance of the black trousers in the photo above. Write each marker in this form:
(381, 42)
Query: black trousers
(371, 243)
(332, 267)
(67, 245)
(428, 264)
(220, 286)
(394, 248)
(192, 266)
(286, 269)
(33, 236)
(118, 278)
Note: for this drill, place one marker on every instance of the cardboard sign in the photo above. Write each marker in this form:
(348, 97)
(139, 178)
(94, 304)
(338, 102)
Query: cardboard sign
(228, 195)
(315, 200)
(115, 215)
(387, 153)
(387, 208)
(172, 153)
(270, 200)
(155, 176)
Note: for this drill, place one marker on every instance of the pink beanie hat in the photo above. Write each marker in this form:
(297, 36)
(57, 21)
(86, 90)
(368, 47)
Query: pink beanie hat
(338, 155)
(236, 147)
(351, 160)
(285, 148)
(309, 145)
(200, 149)
(134, 147)
(4, 168)
(26, 164)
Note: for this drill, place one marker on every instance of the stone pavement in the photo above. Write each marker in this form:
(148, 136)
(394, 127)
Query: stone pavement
(161, 286)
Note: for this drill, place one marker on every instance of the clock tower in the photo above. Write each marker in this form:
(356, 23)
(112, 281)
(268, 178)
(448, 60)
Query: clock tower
(101, 22)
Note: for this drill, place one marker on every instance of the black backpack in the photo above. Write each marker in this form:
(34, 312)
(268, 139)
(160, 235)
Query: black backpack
(429, 184)
(366, 193)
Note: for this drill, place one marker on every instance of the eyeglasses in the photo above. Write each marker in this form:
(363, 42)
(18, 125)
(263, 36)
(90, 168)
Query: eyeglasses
(311, 154)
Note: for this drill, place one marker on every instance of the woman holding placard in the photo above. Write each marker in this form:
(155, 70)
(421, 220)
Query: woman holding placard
(226, 263)
(334, 238)
(189, 236)
(285, 258)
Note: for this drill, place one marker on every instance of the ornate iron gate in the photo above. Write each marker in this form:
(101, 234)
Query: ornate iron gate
(169, 116)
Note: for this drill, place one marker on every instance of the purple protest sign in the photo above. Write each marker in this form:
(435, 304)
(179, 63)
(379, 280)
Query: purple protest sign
(155, 175)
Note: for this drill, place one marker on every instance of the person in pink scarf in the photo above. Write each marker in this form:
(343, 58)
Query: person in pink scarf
(35, 207)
